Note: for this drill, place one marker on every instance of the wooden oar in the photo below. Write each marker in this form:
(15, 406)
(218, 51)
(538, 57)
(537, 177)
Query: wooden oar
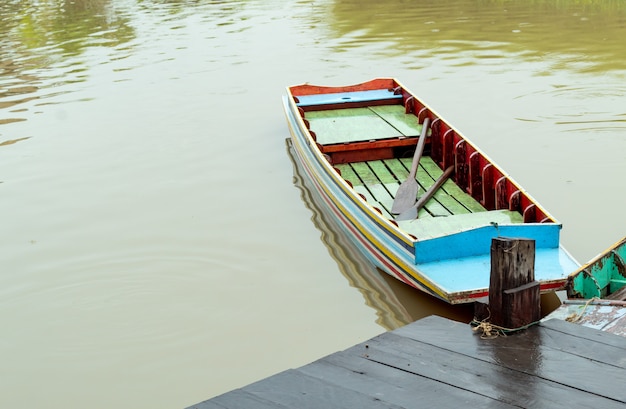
(407, 192)
(411, 213)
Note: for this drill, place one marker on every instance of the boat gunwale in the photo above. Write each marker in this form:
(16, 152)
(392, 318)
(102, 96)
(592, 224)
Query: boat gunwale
(396, 84)
(599, 257)
(594, 270)
(305, 144)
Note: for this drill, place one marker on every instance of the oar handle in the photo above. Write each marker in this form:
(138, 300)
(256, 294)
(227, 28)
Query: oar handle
(420, 148)
(431, 191)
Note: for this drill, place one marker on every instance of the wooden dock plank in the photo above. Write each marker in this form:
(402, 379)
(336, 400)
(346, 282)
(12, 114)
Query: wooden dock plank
(211, 404)
(353, 370)
(481, 377)
(436, 362)
(238, 399)
(591, 337)
(608, 355)
(525, 353)
(295, 389)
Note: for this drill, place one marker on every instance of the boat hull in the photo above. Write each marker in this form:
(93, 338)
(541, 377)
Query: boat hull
(454, 267)
(602, 277)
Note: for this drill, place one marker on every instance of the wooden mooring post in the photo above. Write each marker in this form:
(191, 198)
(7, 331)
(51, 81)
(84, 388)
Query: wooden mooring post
(514, 295)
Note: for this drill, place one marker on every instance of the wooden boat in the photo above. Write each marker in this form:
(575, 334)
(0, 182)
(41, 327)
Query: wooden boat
(596, 292)
(602, 277)
(355, 144)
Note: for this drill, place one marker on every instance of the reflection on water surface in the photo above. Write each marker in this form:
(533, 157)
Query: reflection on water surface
(583, 36)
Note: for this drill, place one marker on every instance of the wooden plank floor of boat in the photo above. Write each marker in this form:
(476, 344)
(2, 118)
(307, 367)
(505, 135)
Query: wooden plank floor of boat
(338, 126)
(379, 180)
(436, 362)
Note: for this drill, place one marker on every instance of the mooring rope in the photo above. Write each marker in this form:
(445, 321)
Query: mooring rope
(490, 330)
(575, 317)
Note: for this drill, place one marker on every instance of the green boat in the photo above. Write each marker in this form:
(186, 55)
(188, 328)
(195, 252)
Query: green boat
(603, 277)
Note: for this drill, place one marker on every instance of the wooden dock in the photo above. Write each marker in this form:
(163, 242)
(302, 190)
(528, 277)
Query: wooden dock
(439, 363)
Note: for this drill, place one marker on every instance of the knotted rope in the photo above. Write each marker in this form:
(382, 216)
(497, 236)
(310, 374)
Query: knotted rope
(574, 317)
(490, 331)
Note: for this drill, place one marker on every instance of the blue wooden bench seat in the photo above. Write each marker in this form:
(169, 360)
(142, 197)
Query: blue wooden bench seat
(346, 97)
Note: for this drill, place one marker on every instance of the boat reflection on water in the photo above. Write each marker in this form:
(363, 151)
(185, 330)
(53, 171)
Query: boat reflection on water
(396, 304)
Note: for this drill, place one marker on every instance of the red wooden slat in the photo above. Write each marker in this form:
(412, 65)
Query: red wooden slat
(409, 108)
(448, 149)
(475, 177)
(515, 201)
(488, 191)
(529, 214)
(502, 199)
(437, 129)
(461, 170)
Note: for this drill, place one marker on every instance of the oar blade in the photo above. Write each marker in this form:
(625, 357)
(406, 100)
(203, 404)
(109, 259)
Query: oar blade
(412, 212)
(407, 192)
(406, 196)
(408, 214)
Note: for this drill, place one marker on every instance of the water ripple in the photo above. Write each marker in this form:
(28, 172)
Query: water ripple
(576, 36)
(44, 45)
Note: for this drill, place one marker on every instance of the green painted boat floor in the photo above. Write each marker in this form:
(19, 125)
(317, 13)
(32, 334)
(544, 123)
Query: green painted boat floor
(432, 227)
(450, 210)
(379, 180)
(362, 124)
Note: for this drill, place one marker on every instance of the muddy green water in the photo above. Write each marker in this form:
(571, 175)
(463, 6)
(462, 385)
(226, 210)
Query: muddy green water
(156, 247)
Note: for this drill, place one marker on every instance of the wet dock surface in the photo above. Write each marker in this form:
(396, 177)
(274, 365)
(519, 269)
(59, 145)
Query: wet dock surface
(436, 362)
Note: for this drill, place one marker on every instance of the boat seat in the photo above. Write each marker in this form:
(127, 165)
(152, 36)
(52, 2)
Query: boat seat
(433, 227)
(349, 125)
(347, 97)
